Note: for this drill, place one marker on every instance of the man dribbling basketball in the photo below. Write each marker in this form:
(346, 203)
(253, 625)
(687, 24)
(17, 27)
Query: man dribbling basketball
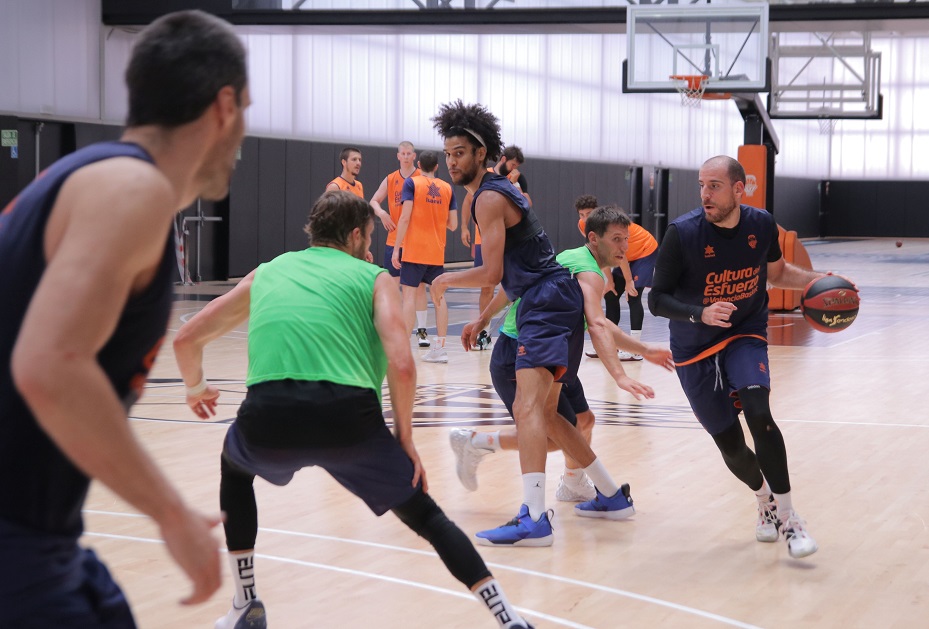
(710, 281)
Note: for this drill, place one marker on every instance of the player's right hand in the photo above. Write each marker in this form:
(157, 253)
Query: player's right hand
(193, 547)
(470, 332)
(465, 237)
(204, 404)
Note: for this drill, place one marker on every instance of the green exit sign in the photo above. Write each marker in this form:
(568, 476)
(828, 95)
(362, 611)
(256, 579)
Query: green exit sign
(9, 138)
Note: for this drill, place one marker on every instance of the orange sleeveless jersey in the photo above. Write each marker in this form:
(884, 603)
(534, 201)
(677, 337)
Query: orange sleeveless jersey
(395, 183)
(641, 243)
(477, 232)
(356, 188)
(425, 238)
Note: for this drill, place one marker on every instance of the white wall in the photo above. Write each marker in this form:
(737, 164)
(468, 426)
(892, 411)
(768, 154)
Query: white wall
(49, 57)
(557, 96)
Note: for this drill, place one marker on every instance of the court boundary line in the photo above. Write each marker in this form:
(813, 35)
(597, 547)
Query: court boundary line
(543, 575)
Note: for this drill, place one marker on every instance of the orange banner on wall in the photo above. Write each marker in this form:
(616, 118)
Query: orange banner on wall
(754, 159)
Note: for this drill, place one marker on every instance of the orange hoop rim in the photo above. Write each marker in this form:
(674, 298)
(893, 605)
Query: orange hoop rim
(694, 84)
(694, 81)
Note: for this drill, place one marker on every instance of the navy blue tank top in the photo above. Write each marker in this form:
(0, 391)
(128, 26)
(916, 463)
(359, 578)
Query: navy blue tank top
(720, 268)
(42, 490)
(528, 257)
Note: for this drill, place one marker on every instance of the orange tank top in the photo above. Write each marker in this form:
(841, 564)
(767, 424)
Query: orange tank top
(355, 188)
(424, 242)
(641, 243)
(395, 183)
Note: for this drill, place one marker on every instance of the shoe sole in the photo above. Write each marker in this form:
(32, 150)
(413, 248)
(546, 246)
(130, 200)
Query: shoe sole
(573, 498)
(766, 540)
(802, 554)
(426, 360)
(622, 514)
(531, 542)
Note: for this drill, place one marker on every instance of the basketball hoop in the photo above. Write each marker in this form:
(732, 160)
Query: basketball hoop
(691, 88)
(827, 126)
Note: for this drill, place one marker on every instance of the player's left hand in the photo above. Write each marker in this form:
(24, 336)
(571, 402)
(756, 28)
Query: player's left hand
(630, 289)
(636, 388)
(419, 472)
(369, 257)
(659, 356)
(395, 258)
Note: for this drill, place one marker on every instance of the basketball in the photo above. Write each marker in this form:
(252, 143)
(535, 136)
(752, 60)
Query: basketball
(899, 243)
(830, 303)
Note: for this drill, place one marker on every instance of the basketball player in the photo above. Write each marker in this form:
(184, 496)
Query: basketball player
(508, 166)
(390, 190)
(88, 260)
(351, 167)
(470, 446)
(634, 272)
(518, 255)
(710, 281)
(429, 209)
(310, 404)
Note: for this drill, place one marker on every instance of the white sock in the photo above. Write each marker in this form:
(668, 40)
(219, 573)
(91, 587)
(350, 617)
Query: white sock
(534, 494)
(439, 341)
(486, 440)
(573, 477)
(243, 577)
(635, 333)
(601, 478)
(421, 318)
(784, 506)
(492, 596)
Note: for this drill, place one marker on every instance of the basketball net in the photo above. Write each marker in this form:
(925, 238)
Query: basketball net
(691, 88)
(827, 126)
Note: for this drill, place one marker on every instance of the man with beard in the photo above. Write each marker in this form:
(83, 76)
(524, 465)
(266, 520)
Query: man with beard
(351, 167)
(519, 256)
(309, 403)
(507, 166)
(710, 280)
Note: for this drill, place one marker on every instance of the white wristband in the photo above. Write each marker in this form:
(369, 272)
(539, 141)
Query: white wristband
(198, 388)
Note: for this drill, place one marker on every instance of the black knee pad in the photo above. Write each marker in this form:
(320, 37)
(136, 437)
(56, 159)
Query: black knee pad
(456, 551)
(237, 500)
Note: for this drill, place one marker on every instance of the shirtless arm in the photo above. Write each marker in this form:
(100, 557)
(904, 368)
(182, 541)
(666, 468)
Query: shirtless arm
(379, 211)
(599, 328)
(401, 370)
(220, 316)
(466, 221)
(97, 256)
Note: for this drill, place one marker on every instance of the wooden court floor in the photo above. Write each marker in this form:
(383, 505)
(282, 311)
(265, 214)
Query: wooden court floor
(852, 407)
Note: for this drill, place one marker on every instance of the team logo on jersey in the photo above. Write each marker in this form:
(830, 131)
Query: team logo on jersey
(521, 351)
(433, 190)
(752, 241)
(709, 252)
(762, 368)
(751, 185)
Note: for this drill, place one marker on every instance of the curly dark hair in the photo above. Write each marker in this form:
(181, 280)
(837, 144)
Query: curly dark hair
(585, 202)
(456, 119)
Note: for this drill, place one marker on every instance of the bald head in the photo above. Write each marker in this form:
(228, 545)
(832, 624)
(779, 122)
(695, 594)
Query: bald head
(732, 167)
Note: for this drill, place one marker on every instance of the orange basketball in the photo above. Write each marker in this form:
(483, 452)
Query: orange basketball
(830, 303)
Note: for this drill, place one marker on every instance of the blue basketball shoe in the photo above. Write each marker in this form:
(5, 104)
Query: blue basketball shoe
(616, 507)
(520, 531)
